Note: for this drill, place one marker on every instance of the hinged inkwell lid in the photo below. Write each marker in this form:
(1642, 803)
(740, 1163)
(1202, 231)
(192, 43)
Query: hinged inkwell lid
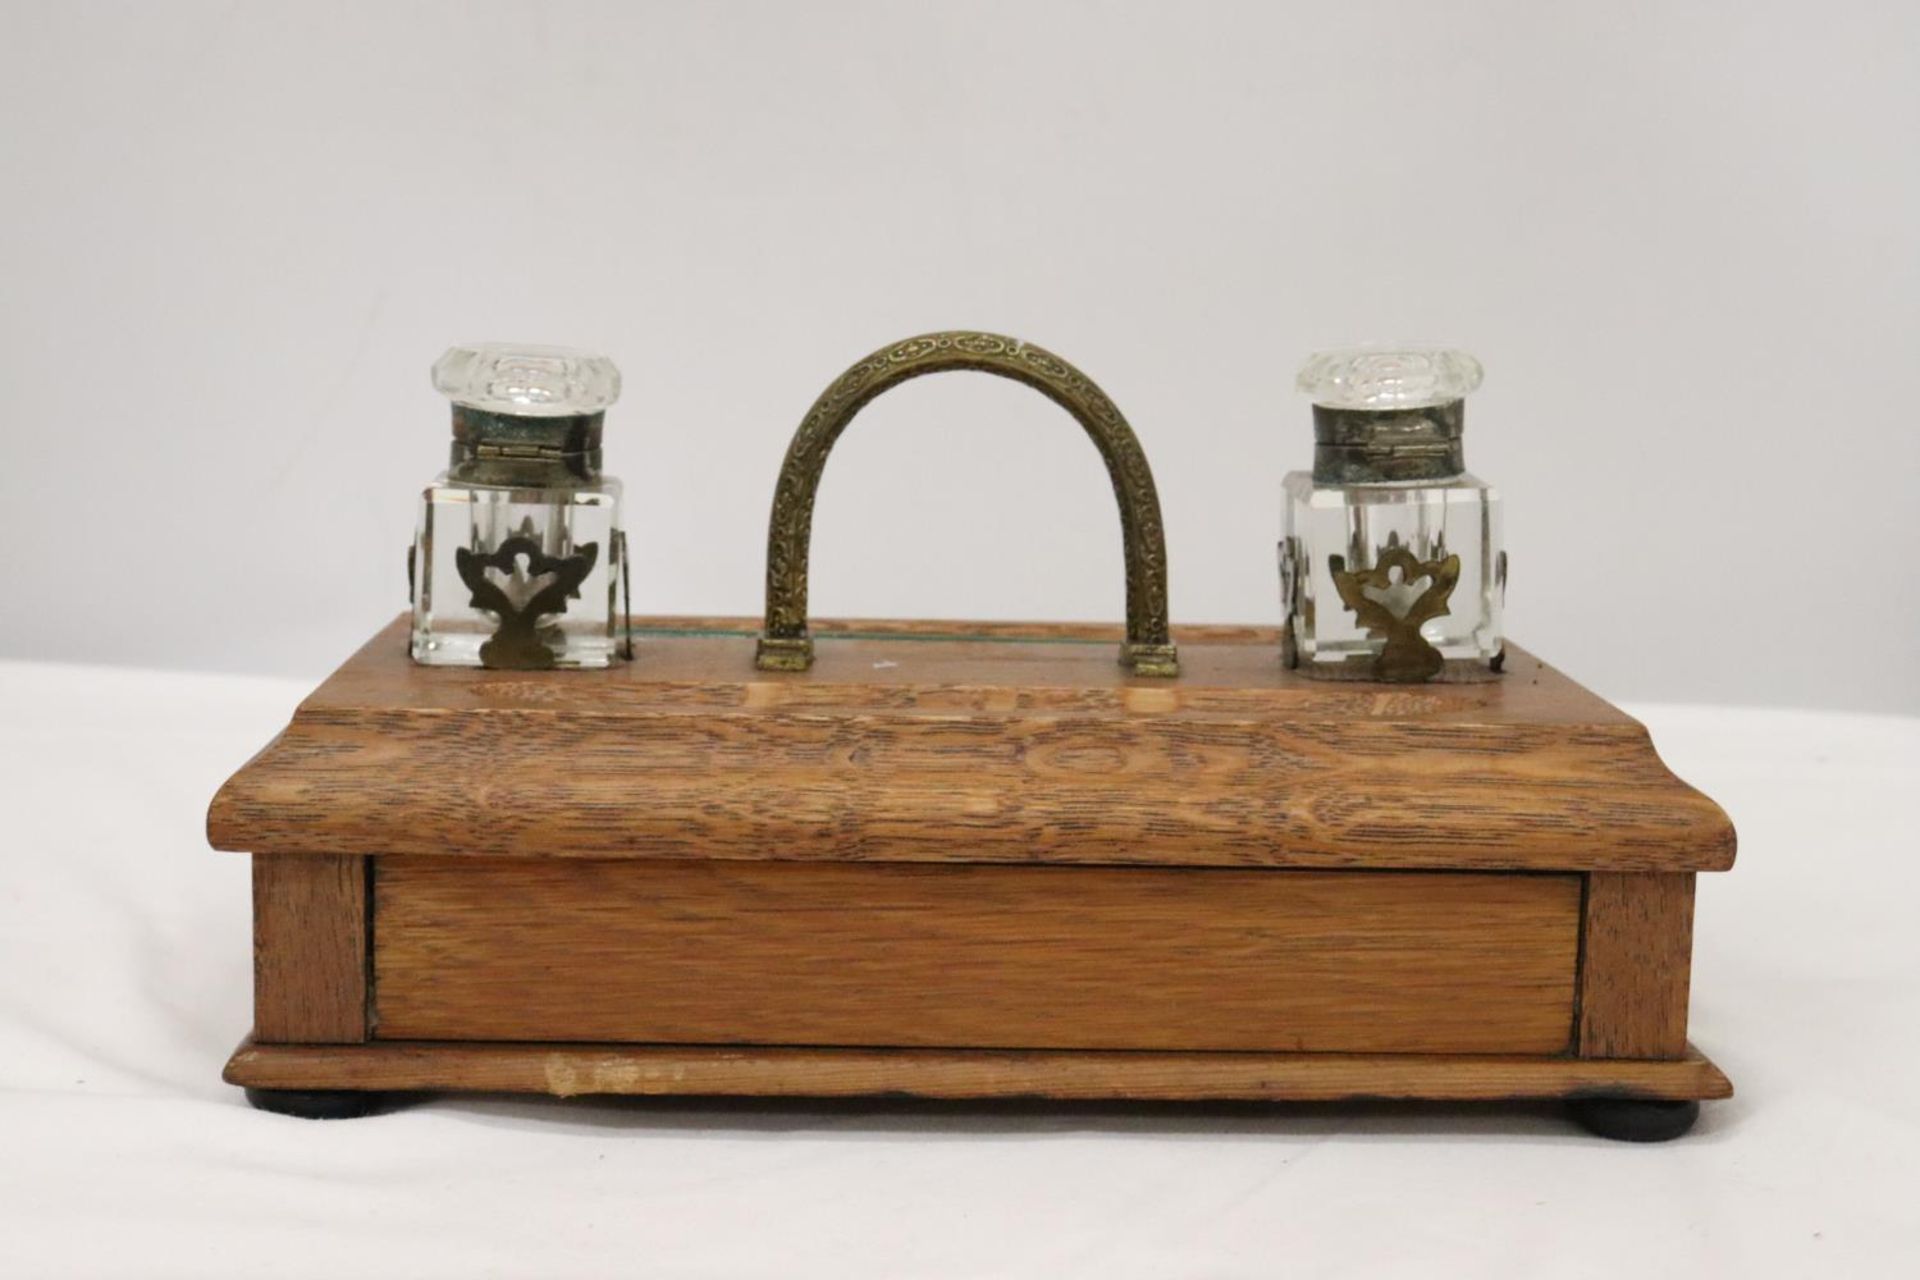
(525, 415)
(1386, 415)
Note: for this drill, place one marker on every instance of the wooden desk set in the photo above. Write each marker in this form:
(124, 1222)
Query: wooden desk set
(950, 860)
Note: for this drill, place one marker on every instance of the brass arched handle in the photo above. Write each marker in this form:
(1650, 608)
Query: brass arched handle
(785, 644)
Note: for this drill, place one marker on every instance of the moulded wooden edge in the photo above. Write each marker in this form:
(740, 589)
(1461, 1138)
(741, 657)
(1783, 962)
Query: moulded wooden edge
(567, 1070)
(1102, 770)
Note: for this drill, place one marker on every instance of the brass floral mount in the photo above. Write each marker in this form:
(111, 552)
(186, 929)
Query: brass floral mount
(1390, 603)
(539, 590)
(785, 644)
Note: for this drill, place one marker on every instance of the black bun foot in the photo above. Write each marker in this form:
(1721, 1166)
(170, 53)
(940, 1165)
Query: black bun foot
(1634, 1119)
(318, 1104)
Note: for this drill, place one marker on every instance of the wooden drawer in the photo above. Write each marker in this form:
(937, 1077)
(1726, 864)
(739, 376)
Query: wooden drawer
(979, 956)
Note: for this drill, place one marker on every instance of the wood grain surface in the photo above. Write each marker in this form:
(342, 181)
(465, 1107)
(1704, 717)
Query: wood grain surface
(902, 746)
(568, 1070)
(309, 948)
(974, 956)
(1636, 963)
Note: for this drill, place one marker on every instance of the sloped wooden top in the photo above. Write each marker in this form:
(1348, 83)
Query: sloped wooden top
(936, 742)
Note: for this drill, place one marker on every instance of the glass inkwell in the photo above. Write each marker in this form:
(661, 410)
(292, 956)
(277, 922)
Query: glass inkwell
(518, 558)
(1390, 561)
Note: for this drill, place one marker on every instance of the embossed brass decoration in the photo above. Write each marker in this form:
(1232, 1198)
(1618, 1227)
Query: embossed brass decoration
(520, 605)
(1389, 602)
(785, 644)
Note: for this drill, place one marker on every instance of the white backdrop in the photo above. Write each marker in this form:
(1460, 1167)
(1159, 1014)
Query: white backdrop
(1681, 237)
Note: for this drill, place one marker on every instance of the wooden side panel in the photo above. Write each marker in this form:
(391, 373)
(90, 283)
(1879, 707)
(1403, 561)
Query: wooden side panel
(974, 956)
(690, 1070)
(1636, 961)
(309, 949)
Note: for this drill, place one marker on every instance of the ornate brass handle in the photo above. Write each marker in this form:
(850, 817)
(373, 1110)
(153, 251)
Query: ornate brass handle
(785, 644)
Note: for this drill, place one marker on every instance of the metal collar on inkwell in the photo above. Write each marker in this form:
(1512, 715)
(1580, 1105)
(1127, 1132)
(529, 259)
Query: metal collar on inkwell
(521, 450)
(1385, 446)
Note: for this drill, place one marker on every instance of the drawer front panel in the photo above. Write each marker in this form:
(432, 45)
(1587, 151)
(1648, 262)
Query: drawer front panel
(973, 956)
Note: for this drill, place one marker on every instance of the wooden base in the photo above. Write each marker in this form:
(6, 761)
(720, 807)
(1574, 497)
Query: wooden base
(700, 1071)
(683, 876)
